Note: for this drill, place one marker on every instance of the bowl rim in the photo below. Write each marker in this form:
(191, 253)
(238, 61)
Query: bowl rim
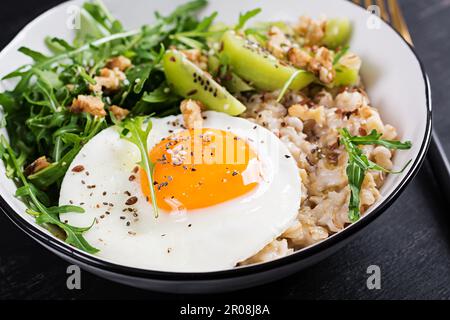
(54, 244)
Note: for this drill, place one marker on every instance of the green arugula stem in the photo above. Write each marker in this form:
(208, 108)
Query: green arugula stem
(358, 164)
(133, 132)
(88, 46)
(43, 214)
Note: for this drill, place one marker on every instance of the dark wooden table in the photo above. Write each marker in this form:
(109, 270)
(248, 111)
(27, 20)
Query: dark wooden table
(410, 242)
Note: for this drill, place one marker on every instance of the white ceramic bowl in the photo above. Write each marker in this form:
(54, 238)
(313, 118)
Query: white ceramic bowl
(395, 81)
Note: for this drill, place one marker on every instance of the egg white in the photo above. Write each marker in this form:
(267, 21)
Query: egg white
(208, 239)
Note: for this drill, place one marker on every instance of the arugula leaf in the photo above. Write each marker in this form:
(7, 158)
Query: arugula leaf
(101, 14)
(244, 17)
(356, 177)
(374, 138)
(258, 34)
(43, 215)
(25, 191)
(56, 170)
(36, 114)
(36, 56)
(160, 94)
(57, 45)
(95, 22)
(186, 9)
(189, 42)
(7, 101)
(358, 164)
(206, 23)
(133, 132)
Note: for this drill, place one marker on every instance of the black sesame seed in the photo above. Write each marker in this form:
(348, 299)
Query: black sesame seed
(192, 92)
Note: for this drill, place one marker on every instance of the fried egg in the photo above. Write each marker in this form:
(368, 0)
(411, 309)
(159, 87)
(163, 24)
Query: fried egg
(224, 192)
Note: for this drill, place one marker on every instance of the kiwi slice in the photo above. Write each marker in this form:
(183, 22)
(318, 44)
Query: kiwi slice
(235, 84)
(345, 76)
(231, 81)
(191, 82)
(258, 67)
(337, 32)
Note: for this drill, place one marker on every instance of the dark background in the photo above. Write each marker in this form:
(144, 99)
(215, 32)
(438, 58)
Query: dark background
(410, 242)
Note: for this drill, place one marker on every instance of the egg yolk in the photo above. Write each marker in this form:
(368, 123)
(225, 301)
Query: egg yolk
(199, 168)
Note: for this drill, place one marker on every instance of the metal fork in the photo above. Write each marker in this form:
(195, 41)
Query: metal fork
(391, 13)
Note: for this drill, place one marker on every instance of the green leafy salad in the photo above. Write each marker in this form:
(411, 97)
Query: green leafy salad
(111, 76)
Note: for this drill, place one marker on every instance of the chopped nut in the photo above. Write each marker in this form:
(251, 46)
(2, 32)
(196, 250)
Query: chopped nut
(88, 104)
(192, 113)
(299, 58)
(278, 43)
(108, 79)
(196, 57)
(320, 62)
(37, 165)
(119, 113)
(122, 63)
(311, 30)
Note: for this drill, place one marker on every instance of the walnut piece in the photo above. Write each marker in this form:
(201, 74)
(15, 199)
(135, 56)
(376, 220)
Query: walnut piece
(319, 62)
(88, 104)
(119, 113)
(192, 113)
(299, 58)
(122, 63)
(322, 64)
(36, 166)
(196, 57)
(109, 79)
(278, 43)
(311, 30)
